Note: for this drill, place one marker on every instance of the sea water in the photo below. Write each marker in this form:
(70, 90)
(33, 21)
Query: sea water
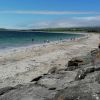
(18, 38)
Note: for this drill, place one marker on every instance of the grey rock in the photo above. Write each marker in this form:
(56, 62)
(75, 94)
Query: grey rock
(6, 89)
(77, 62)
(84, 72)
(52, 70)
(28, 92)
(36, 79)
(79, 92)
(58, 81)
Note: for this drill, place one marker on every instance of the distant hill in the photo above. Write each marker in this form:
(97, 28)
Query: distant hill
(80, 29)
(2, 29)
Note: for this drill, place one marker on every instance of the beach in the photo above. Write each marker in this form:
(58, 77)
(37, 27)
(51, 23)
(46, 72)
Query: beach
(21, 65)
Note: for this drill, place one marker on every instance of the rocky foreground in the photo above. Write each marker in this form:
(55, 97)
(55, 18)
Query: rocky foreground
(79, 80)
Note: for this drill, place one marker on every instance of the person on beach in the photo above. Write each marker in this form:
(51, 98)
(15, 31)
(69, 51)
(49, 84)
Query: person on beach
(47, 41)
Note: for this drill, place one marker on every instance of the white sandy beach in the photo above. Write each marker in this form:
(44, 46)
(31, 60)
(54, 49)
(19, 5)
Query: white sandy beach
(21, 65)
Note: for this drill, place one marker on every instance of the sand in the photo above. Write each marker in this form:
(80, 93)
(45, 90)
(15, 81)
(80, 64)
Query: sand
(21, 65)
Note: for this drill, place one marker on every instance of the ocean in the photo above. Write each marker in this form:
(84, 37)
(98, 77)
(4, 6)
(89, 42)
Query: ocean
(16, 39)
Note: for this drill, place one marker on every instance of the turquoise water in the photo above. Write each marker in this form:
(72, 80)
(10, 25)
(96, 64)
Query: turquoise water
(14, 38)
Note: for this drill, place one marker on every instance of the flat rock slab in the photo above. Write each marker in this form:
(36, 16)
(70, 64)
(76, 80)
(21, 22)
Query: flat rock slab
(58, 81)
(28, 92)
(87, 91)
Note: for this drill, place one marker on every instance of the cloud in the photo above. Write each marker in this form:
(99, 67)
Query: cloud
(45, 12)
(80, 22)
(68, 22)
(88, 18)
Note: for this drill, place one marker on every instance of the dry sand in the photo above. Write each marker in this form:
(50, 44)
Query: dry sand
(21, 65)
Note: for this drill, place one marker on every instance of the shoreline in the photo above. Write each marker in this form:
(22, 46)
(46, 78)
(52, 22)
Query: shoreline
(45, 44)
(22, 65)
(38, 44)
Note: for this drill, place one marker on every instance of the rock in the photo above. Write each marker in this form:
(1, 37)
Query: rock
(95, 56)
(48, 82)
(80, 75)
(97, 69)
(52, 88)
(71, 68)
(36, 79)
(94, 52)
(29, 92)
(79, 92)
(98, 78)
(90, 70)
(84, 72)
(77, 62)
(52, 70)
(5, 90)
(58, 80)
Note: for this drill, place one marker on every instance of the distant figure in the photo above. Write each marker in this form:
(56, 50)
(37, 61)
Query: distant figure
(32, 40)
(60, 38)
(44, 41)
(74, 39)
(47, 41)
(71, 39)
